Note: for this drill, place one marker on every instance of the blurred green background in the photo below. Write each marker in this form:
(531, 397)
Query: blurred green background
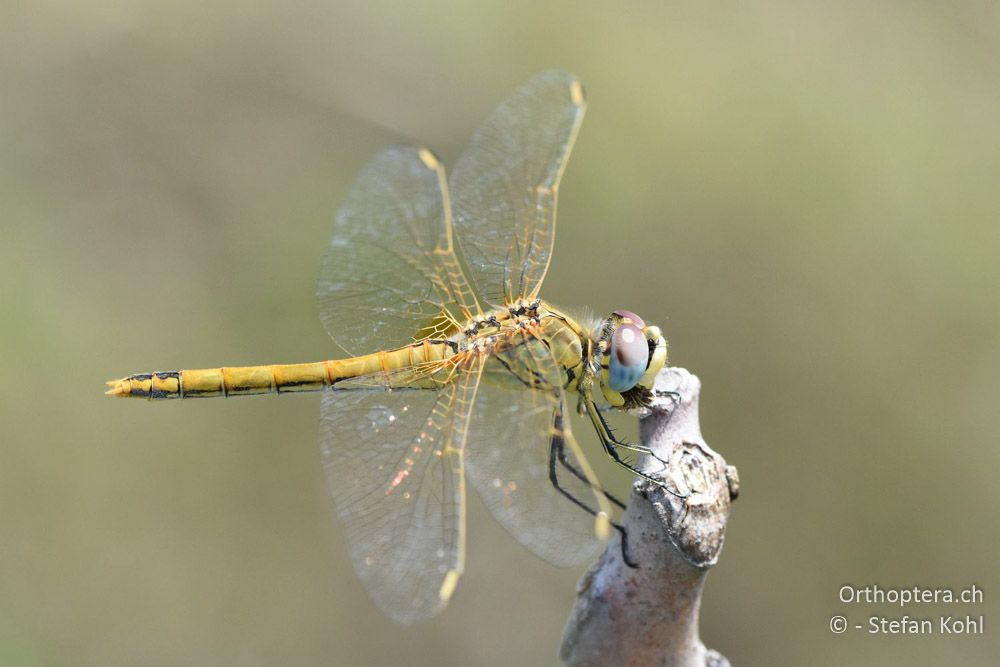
(805, 196)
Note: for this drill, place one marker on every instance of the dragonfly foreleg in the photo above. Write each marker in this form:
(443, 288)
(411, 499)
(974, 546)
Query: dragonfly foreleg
(612, 445)
(606, 433)
(581, 409)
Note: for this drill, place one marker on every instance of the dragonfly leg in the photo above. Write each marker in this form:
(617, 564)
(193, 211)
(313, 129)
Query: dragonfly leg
(557, 454)
(624, 542)
(597, 414)
(675, 397)
(560, 453)
(612, 446)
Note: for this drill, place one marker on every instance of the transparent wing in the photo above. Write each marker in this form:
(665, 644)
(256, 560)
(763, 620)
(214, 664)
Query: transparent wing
(394, 463)
(509, 457)
(504, 186)
(390, 275)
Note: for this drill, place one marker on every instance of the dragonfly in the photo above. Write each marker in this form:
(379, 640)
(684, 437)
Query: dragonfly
(454, 370)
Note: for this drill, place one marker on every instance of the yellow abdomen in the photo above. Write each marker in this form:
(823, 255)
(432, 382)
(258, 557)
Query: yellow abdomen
(275, 379)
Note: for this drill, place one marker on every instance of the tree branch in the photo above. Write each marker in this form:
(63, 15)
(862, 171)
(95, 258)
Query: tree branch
(648, 614)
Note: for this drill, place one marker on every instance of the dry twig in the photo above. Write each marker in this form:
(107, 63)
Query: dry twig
(648, 614)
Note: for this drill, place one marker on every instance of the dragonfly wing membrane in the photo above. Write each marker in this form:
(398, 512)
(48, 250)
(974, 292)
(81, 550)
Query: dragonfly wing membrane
(504, 186)
(389, 275)
(510, 460)
(394, 463)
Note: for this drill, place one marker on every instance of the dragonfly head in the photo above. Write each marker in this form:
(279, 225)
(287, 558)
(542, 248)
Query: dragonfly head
(633, 353)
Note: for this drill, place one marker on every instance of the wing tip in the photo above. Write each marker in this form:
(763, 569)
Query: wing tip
(428, 158)
(577, 93)
(448, 585)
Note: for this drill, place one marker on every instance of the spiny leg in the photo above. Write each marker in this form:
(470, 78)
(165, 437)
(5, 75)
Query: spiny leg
(606, 428)
(566, 463)
(612, 444)
(675, 398)
(557, 453)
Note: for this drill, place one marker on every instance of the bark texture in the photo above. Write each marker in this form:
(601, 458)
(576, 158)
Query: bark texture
(648, 614)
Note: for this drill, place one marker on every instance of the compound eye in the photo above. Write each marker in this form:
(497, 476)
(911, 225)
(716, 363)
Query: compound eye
(629, 315)
(629, 357)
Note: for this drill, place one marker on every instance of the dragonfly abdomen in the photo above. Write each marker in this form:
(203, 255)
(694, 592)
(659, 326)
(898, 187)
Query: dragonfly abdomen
(233, 381)
(274, 379)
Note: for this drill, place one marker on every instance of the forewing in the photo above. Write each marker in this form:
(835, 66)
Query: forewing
(508, 456)
(390, 275)
(393, 461)
(504, 186)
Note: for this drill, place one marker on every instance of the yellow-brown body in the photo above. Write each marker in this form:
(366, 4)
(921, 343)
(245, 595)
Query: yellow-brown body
(497, 330)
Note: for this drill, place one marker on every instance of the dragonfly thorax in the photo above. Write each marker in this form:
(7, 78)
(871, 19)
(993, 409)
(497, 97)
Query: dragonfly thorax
(481, 324)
